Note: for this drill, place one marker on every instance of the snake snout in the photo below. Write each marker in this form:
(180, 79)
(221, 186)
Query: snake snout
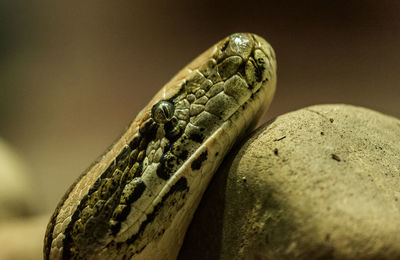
(249, 56)
(240, 44)
(260, 66)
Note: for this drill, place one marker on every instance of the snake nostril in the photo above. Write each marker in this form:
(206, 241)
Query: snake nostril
(223, 48)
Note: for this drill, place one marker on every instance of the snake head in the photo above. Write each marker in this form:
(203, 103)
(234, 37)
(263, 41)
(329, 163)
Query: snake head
(138, 198)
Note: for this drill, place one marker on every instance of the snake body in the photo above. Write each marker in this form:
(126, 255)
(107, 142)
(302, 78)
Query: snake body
(138, 199)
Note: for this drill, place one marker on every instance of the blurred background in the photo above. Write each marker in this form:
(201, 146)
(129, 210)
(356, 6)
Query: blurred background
(73, 74)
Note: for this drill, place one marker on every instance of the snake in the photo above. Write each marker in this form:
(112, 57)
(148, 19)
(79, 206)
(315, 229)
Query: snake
(137, 200)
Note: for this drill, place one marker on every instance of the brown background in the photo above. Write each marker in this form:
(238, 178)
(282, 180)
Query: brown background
(73, 74)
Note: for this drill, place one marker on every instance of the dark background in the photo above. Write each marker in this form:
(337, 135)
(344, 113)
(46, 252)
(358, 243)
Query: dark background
(73, 74)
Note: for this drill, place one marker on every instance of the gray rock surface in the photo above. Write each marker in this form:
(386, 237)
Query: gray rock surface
(321, 182)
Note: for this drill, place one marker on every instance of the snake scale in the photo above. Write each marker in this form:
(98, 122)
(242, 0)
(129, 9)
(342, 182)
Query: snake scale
(138, 199)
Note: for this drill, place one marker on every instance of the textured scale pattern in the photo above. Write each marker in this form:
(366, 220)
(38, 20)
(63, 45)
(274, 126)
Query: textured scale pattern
(139, 186)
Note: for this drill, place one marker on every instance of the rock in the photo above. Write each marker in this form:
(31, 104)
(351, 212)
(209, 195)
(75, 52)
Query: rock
(21, 235)
(322, 182)
(17, 196)
(22, 238)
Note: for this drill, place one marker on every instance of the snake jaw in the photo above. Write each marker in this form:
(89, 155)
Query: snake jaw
(145, 189)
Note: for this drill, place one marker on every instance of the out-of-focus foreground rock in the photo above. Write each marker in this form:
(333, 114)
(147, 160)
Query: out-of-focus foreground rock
(16, 192)
(21, 232)
(22, 238)
(322, 182)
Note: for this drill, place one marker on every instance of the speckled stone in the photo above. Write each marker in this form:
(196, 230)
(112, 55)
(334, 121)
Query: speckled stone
(322, 182)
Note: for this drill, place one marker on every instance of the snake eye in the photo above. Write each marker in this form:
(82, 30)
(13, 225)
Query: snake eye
(162, 111)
